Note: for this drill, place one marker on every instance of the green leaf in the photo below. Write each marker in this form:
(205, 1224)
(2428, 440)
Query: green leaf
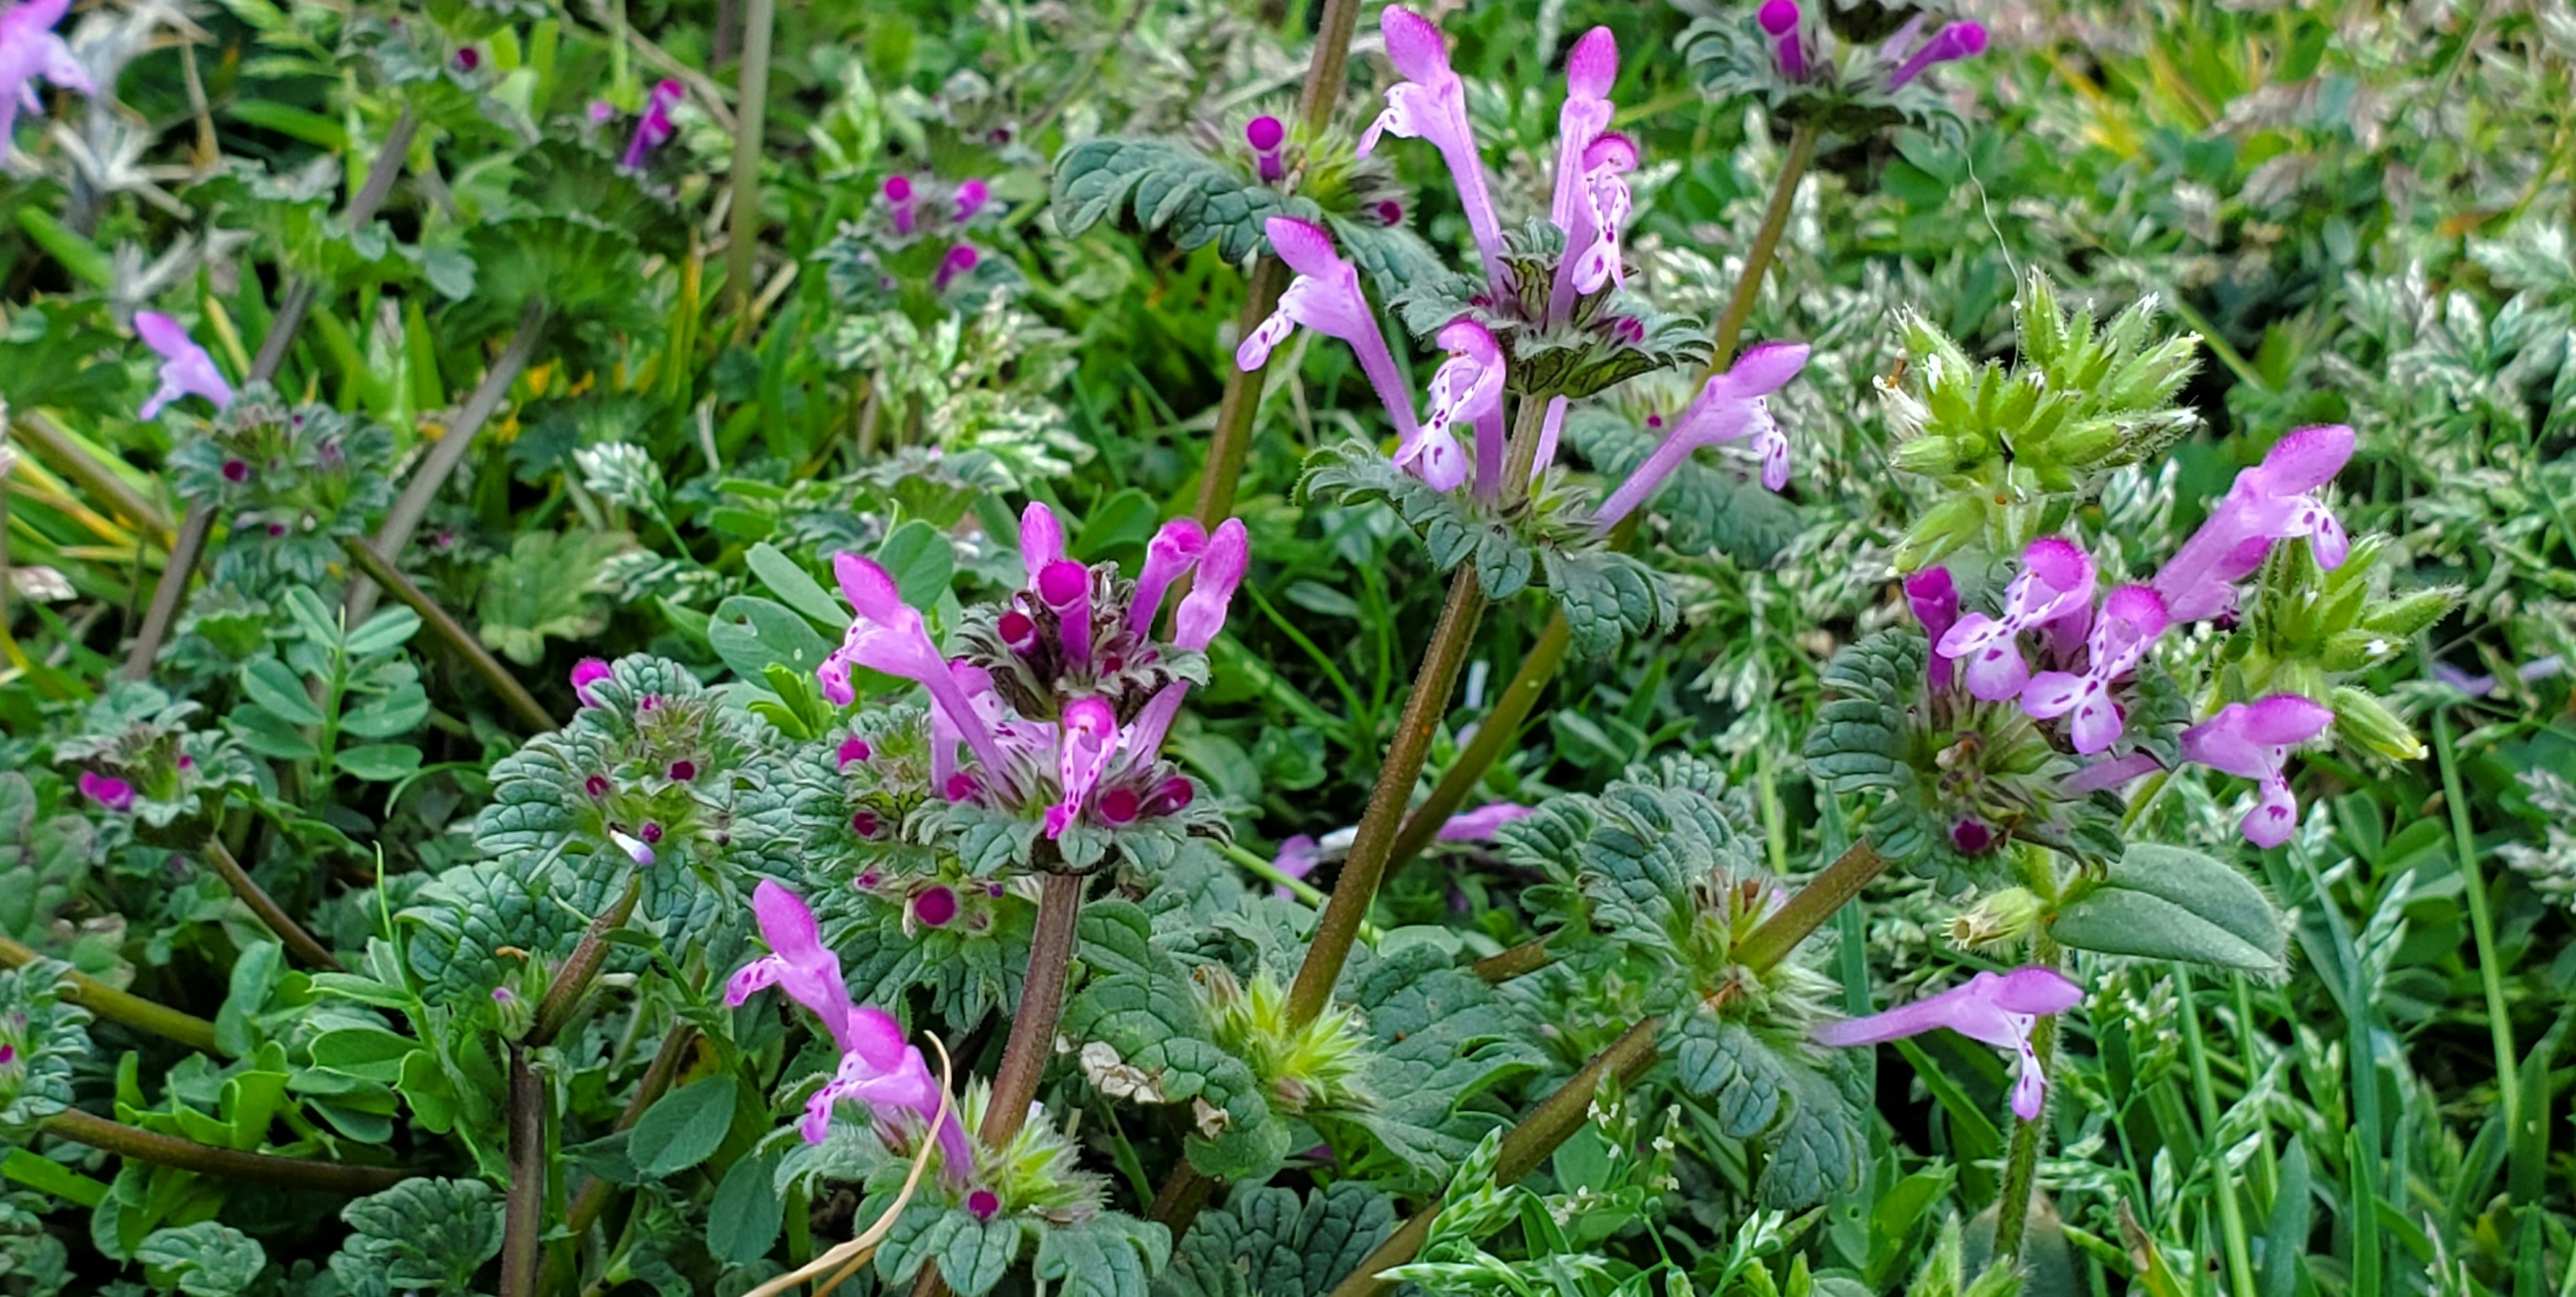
(745, 1216)
(752, 634)
(1127, 518)
(794, 586)
(202, 1260)
(2162, 902)
(1168, 186)
(389, 629)
(920, 560)
(84, 259)
(1110, 1255)
(546, 588)
(279, 691)
(684, 1128)
(428, 1235)
(972, 1255)
(1267, 1241)
(380, 762)
(370, 1052)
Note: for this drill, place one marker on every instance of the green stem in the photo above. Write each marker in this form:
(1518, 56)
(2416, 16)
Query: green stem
(676, 1047)
(117, 1006)
(1794, 922)
(1766, 244)
(2021, 1162)
(2231, 1215)
(291, 934)
(223, 1163)
(1365, 867)
(1527, 957)
(77, 462)
(757, 24)
(1033, 1024)
(2481, 929)
(450, 632)
(573, 980)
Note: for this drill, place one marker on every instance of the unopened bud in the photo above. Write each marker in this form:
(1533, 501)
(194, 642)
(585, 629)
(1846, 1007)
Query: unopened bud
(2367, 721)
(2001, 917)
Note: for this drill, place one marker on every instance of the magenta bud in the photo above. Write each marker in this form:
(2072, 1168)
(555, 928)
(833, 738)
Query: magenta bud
(588, 672)
(1780, 19)
(236, 471)
(1956, 41)
(1265, 134)
(1390, 212)
(651, 833)
(960, 787)
(602, 112)
(504, 996)
(898, 195)
(936, 907)
(971, 197)
(107, 790)
(854, 748)
(1972, 837)
(1120, 806)
(983, 1204)
(596, 785)
(960, 259)
(1171, 797)
(683, 770)
(1065, 586)
(1017, 630)
(866, 824)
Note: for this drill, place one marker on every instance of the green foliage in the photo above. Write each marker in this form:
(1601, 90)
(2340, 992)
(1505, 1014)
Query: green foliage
(428, 1233)
(2163, 902)
(1267, 1241)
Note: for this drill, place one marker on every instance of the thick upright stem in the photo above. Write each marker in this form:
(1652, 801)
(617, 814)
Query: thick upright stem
(2021, 1160)
(298, 942)
(1494, 735)
(745, 239)
(451, 632)
(1365, 867)
(117, 1006)
(573, 980)
(523, 1216)
(1766, 242)
(223, 1163)
(181, 567)
(1032, 1040)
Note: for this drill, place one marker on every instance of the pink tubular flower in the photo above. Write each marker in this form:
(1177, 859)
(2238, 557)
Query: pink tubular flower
(1467, 388)
(1041, 539)
(2131, 619)
(1173, 552)
(889, 637)
(186, 369)
(654, 129)
(110, 792)
(585, 673)
(877, 1067)
(1989, 1008)
(1089, 738)
(1221, 568)
(1935, 602)
(1729, 408)
(30, 50)
(1267, 136)
(2253, 741)
(2056, 580)
(1592, 257)
(1480, 824)
(1430, 104)
(1779, 19)
(1065, 588)
(1956, 41)
(2273, 500)
(960, 260)
(898, 197)
(1591, 68)
(1325, 296)
(971, 197)
(636, 849)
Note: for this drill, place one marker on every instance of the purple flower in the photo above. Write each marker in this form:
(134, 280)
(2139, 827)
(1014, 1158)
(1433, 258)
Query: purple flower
(1041, 540)
(186, 369)
(1467, 388)
(108, 791)
(889, 637)
(1221, 568)
(585, 673)
(1325, 296)
(1297, 858)
(1591, 67)
(854, 748)
(1431, 104)
(2253, 741)
(1065, 588)
(2056, 581)
(1729, 408)
(1267, 135)
(898, 197)
(1935, 601)
(1592, 257)
(1089, 738)
(983, 1204)
(935, 906)
(1779, 19)
(877, 1067)
(2131, 619)
(2273, 500)
(971, 197)
(1956, 41)
(1174, 551)
(960, 259)
(30, 50)
(634, 848)
(1480, 824)
(654, 128)
(602, 112)
(1989, 1008)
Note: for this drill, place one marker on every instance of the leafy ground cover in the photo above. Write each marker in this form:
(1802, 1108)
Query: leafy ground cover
(1250, 648)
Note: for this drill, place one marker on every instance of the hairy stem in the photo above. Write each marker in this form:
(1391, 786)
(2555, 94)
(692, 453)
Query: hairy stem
(1766, 243)
(298, 942)
(745, 238)
(1527, 957)
(117, 1006)
(1032, 1039)
(523, 1214)
(572, 981)
(223, 1163)
(190, 545)
(2021, 1161)
(1365, 867)
(450, 632)
(1807, 911)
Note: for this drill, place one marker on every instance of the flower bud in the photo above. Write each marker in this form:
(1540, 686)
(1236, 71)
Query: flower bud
(1929, 454)
(2356, 650)
(2000, 917)
(1951, 524)
(2410, 614)
(2367, 721)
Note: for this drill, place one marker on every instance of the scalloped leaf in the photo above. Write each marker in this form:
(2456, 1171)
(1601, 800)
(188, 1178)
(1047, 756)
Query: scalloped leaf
(1268, 1241)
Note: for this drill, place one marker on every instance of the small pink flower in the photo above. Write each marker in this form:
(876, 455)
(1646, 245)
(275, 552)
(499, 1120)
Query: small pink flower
(2131, 619)
(1467, 389)
(1991, 1009)
(108, 791)
(1956, 41)
(655, 128)
(31, 51)
(960, 260)
(1325, 296)
(1431, 104)
(898, 196)
(186, 369)
(1221, 568)
(1174, 550)
(1266, 135)
(2056, 581)
(887, 636)
(854, 749)
(971, 197)
(585, 673)
(2274, 500)
(2253, 741)
(1089, 738)
(1779, 19)
(1731, 407)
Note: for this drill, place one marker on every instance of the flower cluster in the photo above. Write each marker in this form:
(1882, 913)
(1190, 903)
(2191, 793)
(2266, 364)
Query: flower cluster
(291, 480)
(917, 237)
(1064, 696)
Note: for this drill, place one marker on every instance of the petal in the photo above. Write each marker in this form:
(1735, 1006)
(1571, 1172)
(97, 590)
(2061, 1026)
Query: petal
(1254, 351)
(875, 1037)
(756, 976)
(1766, 368)
(2030, 1086)
(1971, 633)
(1305, 246)
(2284, 719)
(871, 592)
(2305, 459)
(1414, 45)
(2275, 815)
(2052, 694)
(1041, 539)
(1593, 65)
(2036, 990)
(1480, 824)
(1996, 672)
(2097, 724)
(1963, 1004)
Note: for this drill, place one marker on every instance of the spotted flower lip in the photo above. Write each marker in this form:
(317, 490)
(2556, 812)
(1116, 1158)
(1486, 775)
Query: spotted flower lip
(1088, 738)
(1592, 233)
(1430, 104)
(186, 369)
(2131, 619)
(2274, 500)
(31, 50)
(2056, 580)
(1325, 296)
(1997, 1009)
(2253, 741)
(1730, 407)
(1468, 389)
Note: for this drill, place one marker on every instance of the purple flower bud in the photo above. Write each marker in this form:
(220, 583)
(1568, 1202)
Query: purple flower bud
(983, 1204)
(1390, 213)
(1956, 41)
(960, 260)
(602, 112)
(854, 748)
(596, 786)
(1266, 134)
(683, 770)
(1972, 837)
(585, 673)
(504, 996)
(971, 197)
(1017, 630)
(1780, 19)
(186, 369)
(1065, 586)
(1120, 806)
(468, 59)
(1935, 601)
(866, 824)
(898, 196)
(235, 471)
(959, 787)
(1171, 797)
(654, 128)
(651, 832)
(635, 850)
(935, 907)
(107, 790)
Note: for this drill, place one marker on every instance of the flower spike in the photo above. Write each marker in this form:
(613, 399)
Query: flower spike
(1221, 569)
(1326, 297)
(186, 369)
(2253, 741)
(1729, 408)
(1431, 104)
(1989, 1008)
(2056, 580)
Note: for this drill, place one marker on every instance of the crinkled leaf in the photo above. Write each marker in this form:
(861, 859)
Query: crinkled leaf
(1268, 1241)
(424, 1234)
(1110, 1255)
(206, 1259)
